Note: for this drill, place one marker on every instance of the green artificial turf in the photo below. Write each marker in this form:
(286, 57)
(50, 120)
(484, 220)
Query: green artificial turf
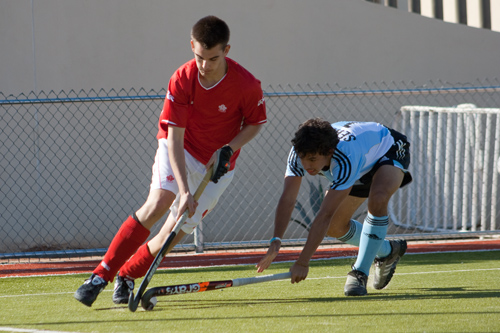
(444, 292)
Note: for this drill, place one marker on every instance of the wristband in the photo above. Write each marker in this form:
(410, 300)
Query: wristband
(273, 239)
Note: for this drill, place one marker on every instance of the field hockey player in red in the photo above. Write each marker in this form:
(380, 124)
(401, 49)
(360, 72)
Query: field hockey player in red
(213, 107)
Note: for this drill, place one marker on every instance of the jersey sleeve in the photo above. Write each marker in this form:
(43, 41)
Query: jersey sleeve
(176, 106)
(254, 108)
(294, 167)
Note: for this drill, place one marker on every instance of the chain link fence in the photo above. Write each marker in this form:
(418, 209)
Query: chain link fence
(76, 164)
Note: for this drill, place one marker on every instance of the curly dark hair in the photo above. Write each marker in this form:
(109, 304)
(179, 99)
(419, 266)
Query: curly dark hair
(210, 31)
(315, 136)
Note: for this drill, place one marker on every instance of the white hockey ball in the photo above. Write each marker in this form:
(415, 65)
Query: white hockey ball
(152, 304)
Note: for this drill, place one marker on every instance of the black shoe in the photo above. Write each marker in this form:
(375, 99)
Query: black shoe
(355, 284)
(90, 289)
(385, 267)
(123, 288)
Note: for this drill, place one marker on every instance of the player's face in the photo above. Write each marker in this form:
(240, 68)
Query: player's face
(314, 163)
(211, 63)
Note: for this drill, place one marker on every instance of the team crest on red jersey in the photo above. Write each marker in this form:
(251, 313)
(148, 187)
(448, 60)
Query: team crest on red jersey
(222, 108)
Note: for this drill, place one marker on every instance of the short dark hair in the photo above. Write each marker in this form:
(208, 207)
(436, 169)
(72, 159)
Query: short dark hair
(210, 31)
(315, 136)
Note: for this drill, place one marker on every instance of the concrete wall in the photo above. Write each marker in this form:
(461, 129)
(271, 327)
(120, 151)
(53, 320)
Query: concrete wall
(68, 44)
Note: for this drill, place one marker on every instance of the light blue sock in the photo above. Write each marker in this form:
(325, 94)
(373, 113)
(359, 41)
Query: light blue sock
(372, 238)
(354, 234)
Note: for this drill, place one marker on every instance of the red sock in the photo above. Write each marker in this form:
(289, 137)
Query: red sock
(138, 265)
(126, 241)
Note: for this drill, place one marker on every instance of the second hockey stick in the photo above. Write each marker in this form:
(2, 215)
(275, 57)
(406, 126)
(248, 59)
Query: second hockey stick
(148, 302)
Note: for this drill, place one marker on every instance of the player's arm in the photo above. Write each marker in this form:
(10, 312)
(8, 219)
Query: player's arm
(247, 133)
(220, 159)
(175, 143)
(284, 210)
(318, 231)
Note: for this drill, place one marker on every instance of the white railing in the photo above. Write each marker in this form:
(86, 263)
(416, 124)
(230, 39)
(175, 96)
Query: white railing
(456, 168)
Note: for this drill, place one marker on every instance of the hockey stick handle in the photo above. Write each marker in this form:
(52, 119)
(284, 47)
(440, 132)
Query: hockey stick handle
(205, 286)
(196, 196)
(133, 302)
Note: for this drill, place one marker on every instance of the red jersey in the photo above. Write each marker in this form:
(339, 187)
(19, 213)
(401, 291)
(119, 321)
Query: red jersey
(211, 116)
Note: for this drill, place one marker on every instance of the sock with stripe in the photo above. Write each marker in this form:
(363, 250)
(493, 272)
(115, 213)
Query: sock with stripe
(126, 241)
(372, 237)
(353, 236)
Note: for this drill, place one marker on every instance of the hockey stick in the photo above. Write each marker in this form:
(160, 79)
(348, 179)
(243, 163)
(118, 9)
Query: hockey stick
(149, 301)
(133, 302)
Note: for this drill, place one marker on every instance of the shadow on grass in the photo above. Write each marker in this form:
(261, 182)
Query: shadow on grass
(199, 317)
(174, 306)
(165, 304)
(177, 305)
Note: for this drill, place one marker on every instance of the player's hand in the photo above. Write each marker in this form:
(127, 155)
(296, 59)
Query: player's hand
(187, 202)
(299, 271)
(268, 258)
(221, 163)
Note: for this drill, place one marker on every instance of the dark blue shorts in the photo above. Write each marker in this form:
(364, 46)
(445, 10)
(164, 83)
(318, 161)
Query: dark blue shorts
(398, 155)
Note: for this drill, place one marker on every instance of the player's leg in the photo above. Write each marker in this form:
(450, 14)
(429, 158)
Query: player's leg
(139, 264)
(340, 224)
(347, 230)
(141, 261)
(385, 265)
(127, 240)
(135, 230)
(386, 181)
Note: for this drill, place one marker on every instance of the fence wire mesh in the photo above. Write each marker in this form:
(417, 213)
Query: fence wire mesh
(76, 164)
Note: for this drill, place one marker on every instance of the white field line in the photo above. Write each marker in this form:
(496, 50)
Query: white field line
(319, 278)
(27, 330)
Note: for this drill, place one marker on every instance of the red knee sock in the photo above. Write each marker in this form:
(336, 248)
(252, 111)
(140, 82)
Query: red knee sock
(138, 265)
(126, 241)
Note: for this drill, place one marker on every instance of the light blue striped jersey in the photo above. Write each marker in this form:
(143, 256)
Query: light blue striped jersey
(361, 145)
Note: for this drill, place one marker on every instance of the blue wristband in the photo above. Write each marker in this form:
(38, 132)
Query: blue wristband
(273, 239)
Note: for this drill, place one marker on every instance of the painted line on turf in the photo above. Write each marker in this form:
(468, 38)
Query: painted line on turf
(49, 294)
(318, 278)
(27, 330)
